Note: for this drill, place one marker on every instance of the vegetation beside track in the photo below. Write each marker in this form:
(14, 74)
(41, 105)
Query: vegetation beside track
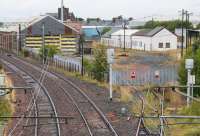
(5, 105)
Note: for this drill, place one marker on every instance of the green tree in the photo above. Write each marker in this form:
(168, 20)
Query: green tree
(105, 30)
(1, 24)
(49, 51)
(196, 70)
(198, 26)
(170, 25)
(100, 65)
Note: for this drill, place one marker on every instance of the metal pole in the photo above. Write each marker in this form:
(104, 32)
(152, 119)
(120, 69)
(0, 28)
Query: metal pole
(82, 57)
(186, 13)
(182, 37)
(62, 11)
(124, 35)
(162, 113)
(161, 120)
(43, 44)
(110, 81)
(19, 42)
(188, 87)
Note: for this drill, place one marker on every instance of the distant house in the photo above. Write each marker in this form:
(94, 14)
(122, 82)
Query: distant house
(116, 37)
(157, 39)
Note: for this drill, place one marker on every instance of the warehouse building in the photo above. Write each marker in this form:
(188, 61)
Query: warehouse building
(157, 39)
(29, 35)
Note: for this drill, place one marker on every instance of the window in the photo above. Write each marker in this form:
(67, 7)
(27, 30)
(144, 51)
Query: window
(140, 44)
(167, 45)
(160, 45)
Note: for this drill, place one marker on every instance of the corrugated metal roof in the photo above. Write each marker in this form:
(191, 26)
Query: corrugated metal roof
(149, 32)
(155, 31)
(39, 18)
(128, 32)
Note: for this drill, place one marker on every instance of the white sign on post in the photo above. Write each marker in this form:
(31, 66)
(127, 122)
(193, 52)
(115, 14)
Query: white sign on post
(110, 56)
(189, 63)
(192, 79)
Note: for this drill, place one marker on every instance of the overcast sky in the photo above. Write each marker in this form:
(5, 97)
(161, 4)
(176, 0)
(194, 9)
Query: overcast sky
(20, 9)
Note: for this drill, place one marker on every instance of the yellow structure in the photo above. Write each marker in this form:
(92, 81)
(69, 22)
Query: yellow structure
(65, 43)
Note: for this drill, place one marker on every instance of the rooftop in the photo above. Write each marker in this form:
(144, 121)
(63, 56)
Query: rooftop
(148, 32)
(128, 32)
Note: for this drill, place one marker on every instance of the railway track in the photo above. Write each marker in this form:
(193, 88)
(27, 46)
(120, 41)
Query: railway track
(41, 105)
(94, 119)
(142, 129)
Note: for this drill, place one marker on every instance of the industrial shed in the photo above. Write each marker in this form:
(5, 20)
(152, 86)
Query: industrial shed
(56, 33)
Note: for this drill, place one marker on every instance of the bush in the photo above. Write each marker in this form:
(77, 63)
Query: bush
(100, 65)
(196, 70)
(49, 51)
(88, 65)
(26, 53)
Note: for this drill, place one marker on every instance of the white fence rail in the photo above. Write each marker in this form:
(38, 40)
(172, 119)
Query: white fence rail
(120, 44)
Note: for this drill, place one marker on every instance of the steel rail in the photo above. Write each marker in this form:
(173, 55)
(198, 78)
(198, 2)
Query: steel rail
(104, 118)
(46, 93)
(79, 110)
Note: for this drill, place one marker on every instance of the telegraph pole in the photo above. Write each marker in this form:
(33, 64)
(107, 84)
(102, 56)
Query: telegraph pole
(186, 23)
(43, 44)
(182, 37)
(187, 27)
(82, 56)
(62, 11)
(20, 40)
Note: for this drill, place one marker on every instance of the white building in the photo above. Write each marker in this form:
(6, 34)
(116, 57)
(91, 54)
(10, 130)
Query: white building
(158, 39)
(116, 39)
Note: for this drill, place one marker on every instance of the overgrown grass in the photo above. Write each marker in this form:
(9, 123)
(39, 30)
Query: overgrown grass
(187, 129)
(78, 75)
(5, 108)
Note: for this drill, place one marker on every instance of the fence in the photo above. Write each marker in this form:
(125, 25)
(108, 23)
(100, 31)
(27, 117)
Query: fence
(8, 41)
(166, 75)
(129, 44)
(66, 63)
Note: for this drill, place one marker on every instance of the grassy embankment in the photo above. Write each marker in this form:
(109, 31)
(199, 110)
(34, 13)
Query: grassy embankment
(5, 104)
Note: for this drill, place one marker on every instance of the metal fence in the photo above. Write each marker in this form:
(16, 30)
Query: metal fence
(66, 63)
(166, 75)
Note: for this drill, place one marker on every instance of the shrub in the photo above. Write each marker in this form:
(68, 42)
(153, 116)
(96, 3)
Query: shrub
(100, 65)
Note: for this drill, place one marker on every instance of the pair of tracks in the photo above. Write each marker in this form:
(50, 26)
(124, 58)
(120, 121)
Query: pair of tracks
(93, 118)
(41, 104)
